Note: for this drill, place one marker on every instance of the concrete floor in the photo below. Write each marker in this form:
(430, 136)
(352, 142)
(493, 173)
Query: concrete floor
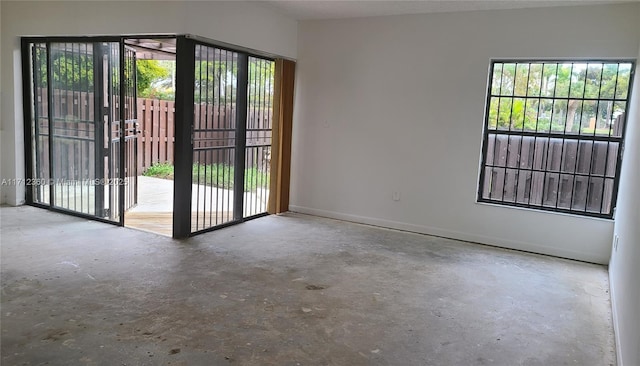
(289, 290)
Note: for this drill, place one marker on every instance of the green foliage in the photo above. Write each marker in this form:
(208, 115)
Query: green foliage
(522, 95)
(160, 170)
(254, 179)
(216, 82)
(70, 71)
(148, 74)
(216, 175)
(261, 80)
(222, 176)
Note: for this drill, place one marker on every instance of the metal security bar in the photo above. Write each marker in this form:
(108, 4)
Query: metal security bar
(553, 134)
(258, 136)
(40, 192)
(131, 128)
(214, 137)
(111, 103)
(72, 91)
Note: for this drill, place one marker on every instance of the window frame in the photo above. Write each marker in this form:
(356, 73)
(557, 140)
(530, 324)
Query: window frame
(549, 135)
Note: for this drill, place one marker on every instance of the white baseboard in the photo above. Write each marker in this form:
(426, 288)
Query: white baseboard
(614, 315)
(458, 235)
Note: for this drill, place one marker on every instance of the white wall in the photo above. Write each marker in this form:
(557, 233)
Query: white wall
(624, 269)
(397, 103)
(246, 24)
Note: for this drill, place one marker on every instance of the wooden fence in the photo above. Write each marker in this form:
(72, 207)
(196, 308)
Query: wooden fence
(214, 130)
(157, 130)
(75, 140)
(566, 173)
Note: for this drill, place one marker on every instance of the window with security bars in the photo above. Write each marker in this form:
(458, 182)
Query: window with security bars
(553, 134)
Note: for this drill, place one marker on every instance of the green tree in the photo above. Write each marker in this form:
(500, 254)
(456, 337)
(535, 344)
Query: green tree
(516, 88)
(147, 72)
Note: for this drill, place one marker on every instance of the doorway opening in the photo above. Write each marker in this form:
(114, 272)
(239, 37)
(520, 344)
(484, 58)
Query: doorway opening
(152, 159)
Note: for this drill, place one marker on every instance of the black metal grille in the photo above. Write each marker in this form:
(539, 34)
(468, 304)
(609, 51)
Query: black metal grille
(233, 96)
(73, 129)
(214, 137)
(553, 134)
(258, 136)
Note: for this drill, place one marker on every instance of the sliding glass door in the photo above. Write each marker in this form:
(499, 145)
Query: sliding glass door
(224, 114)
(75, 155)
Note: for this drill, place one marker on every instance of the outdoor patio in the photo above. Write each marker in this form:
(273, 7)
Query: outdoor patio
(154, 211)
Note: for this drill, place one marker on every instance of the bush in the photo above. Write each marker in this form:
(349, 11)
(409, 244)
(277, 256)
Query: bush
(216, 175)
(222, 176)
(160, 170)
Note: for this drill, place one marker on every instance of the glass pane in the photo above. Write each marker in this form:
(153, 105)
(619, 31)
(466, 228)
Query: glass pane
(569, 155)
(497, 183)
(566, 191)
(112, 187)
(523, 190)
(491, 139)
(609, 81)
(486, 185)
(583, 165)
(612, 159)
(531, 115)
(624, 75)
(508, 79)
(545, 115)
(579, 199)
(618, 118)
(496, 79)
(527, 152)
(504, 113)
(554, 155)
(594, 74)
(258, 136)
(550, 189)
(521, 79)
(607, 196)
(535, 80)
(500, 150)
(599, 157)
(604, 125)
(577, 80)
(559, 118)
(595, 194)
(548, 80)
(517, 114)
(588, 120)
(537, 187)
(85, 143)
(513, 156)
(493, 113)
(540, 153)
(562, 80)
(213, 172)
(510, 181)
(39, 124)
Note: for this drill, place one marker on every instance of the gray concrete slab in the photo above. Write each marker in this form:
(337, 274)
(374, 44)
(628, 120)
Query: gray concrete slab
(288, 290)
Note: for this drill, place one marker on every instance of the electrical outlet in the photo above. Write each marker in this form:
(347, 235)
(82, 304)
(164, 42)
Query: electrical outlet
(395, 196)
(616, 239)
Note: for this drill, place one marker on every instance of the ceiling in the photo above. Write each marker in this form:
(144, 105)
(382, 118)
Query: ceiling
(335, 9)
(153, 49)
